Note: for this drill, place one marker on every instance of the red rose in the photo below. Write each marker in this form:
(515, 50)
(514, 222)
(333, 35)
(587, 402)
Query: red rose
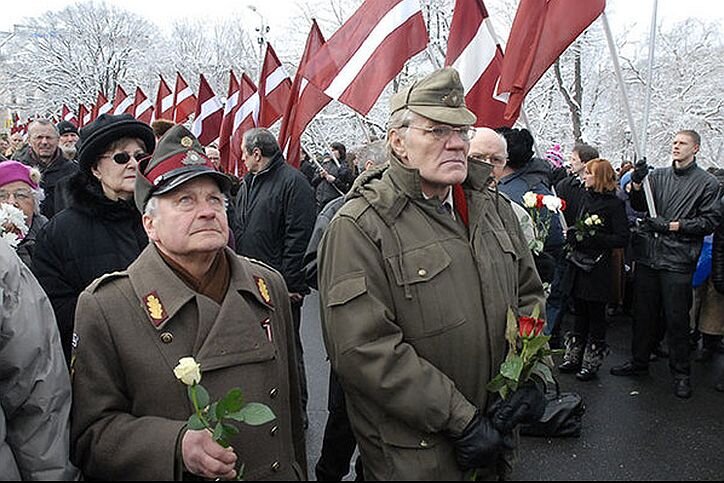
(539, 201)
(563, 204)
(539, 324)
(526, 326)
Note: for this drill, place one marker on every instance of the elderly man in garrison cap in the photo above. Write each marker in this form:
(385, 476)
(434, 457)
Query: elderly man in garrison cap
(185, 295)
(416, 273)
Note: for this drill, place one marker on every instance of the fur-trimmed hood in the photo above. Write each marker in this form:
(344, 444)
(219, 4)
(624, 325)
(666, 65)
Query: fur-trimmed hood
(87, 197)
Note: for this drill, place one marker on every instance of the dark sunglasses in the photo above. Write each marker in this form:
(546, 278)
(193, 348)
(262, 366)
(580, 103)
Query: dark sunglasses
(123, 157)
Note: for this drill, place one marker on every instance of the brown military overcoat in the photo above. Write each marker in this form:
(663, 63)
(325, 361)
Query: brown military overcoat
(129, 410)
(414, 310)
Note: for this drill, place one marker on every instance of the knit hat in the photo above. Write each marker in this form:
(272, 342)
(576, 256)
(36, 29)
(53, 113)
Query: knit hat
(11, 171)
(555, 156)
(98, 135)
(179, 157)
(66, 127)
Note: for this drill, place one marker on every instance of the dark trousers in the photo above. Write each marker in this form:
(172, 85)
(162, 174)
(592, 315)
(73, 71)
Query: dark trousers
(660, 293)
(590, 321)
(339, 443)
(297, 319)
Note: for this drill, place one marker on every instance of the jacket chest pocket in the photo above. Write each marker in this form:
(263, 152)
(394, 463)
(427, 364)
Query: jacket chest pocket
(423, 296)
(498, 258)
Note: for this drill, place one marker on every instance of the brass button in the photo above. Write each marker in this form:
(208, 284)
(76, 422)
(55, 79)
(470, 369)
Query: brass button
(274, 393)
(422, 272)
(167, 337)
(424, 444)
(275, 466)
(273, 430)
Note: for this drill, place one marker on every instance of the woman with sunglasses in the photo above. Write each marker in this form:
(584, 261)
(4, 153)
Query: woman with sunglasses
(101, 232)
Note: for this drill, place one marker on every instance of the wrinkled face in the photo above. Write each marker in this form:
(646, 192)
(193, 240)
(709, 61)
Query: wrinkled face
(190, 219)
(118, 179)
(487, 146)
(68, 139)
(683, 148)
(441, 160)
(214, 156)
(16, 140)
(44, 141)
(576, 164)
(20, 195)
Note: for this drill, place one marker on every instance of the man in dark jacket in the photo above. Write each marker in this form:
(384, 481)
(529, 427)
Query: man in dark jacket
(275, 214)
(43, 153)
(666, 249)
(335, 178)
(571, 187)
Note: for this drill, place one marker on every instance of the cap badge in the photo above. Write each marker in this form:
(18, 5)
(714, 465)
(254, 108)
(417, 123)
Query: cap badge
(155, 309)
(187, 142)
(454, 99)
(192, 158)
(263, 289)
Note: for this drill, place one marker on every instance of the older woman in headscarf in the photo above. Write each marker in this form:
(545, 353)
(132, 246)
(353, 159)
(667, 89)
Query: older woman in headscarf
(19, 187)
(101, 232)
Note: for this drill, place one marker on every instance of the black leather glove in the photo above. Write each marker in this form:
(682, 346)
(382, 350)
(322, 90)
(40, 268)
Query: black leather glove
(526, 405)
(480, 444)
(657, 224)
(641, 169)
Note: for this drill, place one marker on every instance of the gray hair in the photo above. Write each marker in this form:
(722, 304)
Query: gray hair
(41, 122)
(374, 152)
(151, 206)
(263, 139)
(38, 197)
(398, 121)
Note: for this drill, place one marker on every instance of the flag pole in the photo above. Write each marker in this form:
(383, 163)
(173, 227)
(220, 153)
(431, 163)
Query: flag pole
(627, 108)
(647, 105)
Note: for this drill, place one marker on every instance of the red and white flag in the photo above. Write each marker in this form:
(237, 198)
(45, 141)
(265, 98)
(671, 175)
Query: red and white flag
(164, 102)
(372, 46)
(305, 102)
(184, 100)
(473, 50)
(541, 31)
(245, 118)
(122, 104)
(84, 115)
(274, 88)
(68, 115)
(142, 107)
(227, 123)
(208, 115)
(102, 106)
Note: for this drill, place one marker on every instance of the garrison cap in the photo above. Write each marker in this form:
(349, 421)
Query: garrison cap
(178, 158)
(439, 97)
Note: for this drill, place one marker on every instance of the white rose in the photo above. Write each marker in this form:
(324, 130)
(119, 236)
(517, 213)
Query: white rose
(188, 371)
(529, 199)
(588, 221)
(553, 203)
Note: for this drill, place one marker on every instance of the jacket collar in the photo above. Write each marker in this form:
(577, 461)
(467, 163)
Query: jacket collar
(684, 171)
(163, 293)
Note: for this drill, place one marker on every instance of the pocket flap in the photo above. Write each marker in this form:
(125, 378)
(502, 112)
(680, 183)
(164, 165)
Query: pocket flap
(420, 264)
(398, 434)
(347, 289)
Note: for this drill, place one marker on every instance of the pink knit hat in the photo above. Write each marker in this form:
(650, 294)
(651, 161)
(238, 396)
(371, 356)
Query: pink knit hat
(555, 156)
(11, 171)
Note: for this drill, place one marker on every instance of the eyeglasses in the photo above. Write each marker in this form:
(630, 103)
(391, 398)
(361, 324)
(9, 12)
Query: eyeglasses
(20, 195)
(490, 159)
(123, 157)
(443, 133)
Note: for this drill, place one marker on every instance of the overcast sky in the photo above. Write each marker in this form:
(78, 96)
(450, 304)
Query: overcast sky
(278, 12)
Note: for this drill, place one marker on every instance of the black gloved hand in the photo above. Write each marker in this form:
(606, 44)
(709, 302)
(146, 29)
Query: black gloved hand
(571, 235)
(657, 224)
(641, 169)
(526, 405)
(480, 444)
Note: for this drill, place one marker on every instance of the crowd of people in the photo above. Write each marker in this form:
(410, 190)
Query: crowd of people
(137, 250)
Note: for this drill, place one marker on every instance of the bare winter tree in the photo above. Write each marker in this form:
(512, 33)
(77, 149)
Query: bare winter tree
(70, 55)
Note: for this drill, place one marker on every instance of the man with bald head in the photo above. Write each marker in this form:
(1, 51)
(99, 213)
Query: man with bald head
(490, 147)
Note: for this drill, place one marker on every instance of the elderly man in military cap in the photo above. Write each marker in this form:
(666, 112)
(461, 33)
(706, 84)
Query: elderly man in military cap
(185, 295)
(416, 273)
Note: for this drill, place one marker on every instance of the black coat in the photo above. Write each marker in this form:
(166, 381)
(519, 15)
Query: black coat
(93, 237)
(572, 190)
(689, 196)
(275, 213)
(717, 256)
(54, 181)
(326, 191)
(598, 284)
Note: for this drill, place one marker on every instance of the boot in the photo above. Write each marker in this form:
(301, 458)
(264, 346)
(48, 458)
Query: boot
(596, 351)
(573, 355)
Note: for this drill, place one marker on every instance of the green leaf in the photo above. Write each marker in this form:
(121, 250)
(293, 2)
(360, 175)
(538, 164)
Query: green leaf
(202, 396)
(233, 401)
(229, 430)
(511, 329)
(254, 414)
(218, 432)
(194, 423)
(212, 415)
(535, 345)
(544, 372)
(511, 368)
(536, 311)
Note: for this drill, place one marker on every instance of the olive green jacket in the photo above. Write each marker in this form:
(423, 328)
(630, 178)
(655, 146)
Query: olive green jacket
(129, 410)
(414, 308)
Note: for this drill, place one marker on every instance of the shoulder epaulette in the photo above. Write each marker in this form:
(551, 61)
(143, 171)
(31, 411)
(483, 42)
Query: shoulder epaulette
(103, 279)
